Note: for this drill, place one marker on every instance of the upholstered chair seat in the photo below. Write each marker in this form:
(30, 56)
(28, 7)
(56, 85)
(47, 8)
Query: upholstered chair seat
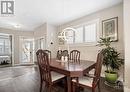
(86, 81)
(56, 76)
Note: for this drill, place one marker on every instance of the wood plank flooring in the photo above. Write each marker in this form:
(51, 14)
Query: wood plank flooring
(26, 79)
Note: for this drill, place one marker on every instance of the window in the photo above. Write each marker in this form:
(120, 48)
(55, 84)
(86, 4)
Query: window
(86, 33)
(79, 35)
(4, 45)
(90, 33)
(70, 35)
(1, 46)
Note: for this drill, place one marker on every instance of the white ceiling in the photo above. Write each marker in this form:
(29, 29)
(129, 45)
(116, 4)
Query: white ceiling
(31, 13)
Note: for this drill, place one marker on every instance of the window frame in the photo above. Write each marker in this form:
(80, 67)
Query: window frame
(4, 52)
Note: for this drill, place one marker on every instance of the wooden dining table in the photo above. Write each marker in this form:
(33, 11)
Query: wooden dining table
(71, 69)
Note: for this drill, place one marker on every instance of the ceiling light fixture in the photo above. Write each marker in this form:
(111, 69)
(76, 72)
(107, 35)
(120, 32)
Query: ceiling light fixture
(17, 26)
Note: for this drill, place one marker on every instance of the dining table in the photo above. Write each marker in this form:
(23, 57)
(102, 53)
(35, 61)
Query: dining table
(71, 69)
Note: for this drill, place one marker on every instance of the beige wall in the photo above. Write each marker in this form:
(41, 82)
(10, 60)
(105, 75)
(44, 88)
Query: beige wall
(48, 31)
(16, 35)
(40, 31)
(52, 37)
(127, 43)
(90, 52)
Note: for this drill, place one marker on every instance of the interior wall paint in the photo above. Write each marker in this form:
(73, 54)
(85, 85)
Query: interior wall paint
(16, 35)
(126, 89)
(52, 37)
(40, 31)
(49, 31)
(90, 52)
(127, 42)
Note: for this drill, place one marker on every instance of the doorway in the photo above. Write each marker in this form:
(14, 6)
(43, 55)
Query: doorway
(27, 50)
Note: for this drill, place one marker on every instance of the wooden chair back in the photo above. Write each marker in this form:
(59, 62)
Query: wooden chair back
(43, 63)
(49, 54)
(65, 53)
(75, 55)
(98, 67)
(59, 54)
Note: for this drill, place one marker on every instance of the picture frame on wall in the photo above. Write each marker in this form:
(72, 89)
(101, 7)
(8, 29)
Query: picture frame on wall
(110, 28)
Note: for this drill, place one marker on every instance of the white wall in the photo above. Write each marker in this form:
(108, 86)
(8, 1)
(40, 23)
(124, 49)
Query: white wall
(127, 42)
(16, 35)
(90, 52)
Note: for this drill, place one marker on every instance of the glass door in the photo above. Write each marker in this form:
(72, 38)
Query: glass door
(27, 51)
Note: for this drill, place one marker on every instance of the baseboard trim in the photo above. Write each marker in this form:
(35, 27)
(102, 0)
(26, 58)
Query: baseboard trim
(24, 64)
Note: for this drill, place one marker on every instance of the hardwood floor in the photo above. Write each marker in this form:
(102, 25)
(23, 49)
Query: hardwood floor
(19, 79)
(26, 79)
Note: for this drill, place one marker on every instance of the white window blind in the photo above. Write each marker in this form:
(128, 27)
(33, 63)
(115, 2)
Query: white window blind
(79, 35)
(70, 37)
(90, 33)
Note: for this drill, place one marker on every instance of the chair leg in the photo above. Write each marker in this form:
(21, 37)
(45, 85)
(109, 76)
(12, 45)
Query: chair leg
(93, 89)
(99, 87)
(77, 85)
(65, 85)
(73, 87)
(41, 86)
(50, 88)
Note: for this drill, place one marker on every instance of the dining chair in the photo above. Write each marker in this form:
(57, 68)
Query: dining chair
(49, 53)
(90, 80)
(65, 53)
(75, 55)
(47, 76)
(59, 54)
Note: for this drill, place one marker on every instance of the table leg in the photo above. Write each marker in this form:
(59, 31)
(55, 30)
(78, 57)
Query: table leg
(69, 84)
